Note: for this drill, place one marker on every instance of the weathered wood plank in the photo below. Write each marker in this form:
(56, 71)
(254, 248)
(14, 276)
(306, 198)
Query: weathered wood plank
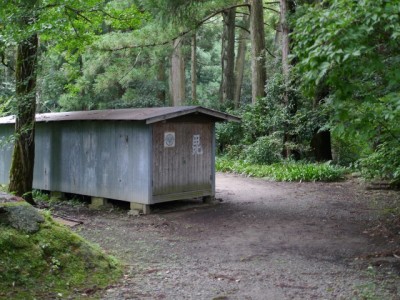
(186, 166)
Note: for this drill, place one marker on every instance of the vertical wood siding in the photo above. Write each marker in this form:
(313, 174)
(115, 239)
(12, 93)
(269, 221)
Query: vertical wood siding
(177, 169)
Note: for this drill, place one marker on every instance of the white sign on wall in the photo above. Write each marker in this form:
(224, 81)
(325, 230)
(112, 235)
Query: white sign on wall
(169, 139)
(197, 149)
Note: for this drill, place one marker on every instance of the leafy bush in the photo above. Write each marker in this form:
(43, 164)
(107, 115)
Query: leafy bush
(384, 163)
(266, 150)
(268, 115)
(360, 67)
(345, 152)
(288, 171)
(259, 137)
(228, 134)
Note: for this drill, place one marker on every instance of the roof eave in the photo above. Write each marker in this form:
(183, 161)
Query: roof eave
(221, 117)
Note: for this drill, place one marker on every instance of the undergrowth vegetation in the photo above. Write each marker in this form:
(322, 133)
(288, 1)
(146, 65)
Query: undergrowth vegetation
(272, 135)
(255, 147)
(51, 263)
(284, 171)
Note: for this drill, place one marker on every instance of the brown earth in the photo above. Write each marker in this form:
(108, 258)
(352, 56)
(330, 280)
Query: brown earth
(263, 240)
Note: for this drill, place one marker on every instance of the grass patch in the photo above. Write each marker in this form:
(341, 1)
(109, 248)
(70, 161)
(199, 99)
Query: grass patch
(284, 171)
(45, 197)
(378, 286)
(52, 263)
(3, 188)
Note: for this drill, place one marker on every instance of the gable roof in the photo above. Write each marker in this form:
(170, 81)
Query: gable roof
(149, 115)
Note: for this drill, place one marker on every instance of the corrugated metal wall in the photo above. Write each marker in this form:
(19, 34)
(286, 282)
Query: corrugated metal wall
(95, 158)
(184, 169)
(6, 130)
(98, 158)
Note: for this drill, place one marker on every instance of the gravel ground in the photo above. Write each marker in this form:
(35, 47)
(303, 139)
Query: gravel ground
(262, 240)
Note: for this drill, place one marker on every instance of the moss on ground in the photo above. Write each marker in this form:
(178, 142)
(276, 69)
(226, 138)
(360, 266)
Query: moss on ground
(54, 262)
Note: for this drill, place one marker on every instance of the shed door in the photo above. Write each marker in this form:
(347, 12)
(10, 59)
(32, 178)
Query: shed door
(182, 156)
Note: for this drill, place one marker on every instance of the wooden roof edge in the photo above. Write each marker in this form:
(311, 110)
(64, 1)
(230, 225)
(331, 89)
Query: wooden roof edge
(194, 109)
(185, 110)
(219, 114)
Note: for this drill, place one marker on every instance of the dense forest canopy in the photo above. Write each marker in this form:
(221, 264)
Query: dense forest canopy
(312, 80)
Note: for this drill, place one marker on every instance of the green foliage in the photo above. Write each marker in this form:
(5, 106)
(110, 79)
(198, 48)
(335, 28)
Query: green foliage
(108, 80)
(265, 150)
(259, 137)
(383, 164)
(268, 115)
(228, 134)
(376, 288)
(66, 28)
(346, 152)
(7, 85)
(52, 261)
(286, 171)
(352, 46)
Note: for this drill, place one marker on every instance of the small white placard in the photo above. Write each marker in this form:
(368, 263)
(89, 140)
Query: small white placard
(169, 139)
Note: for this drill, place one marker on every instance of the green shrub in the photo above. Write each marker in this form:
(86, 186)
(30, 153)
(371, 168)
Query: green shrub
(234, 151)
(384, 163)
(228, 134)
(345, 152)
(259, 137)
(266, 150)
(284, 171)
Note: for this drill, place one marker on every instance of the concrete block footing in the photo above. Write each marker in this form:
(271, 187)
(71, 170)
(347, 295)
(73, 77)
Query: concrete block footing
(98, 202)
(142, 208)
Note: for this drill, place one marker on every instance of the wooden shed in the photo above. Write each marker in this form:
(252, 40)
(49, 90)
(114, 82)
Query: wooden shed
(143, 156)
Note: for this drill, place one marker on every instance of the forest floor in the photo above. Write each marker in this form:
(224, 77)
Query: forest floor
(262, 240)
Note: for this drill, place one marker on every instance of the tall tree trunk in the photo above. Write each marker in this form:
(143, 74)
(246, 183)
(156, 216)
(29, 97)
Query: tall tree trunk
(193, 69)
(257, 36)
(240, 61)
(285, 43)
(177, 74)
(278, 39)
(290, 106)
(21, 172)
(321, 145)
(321, 140)
(228, 56)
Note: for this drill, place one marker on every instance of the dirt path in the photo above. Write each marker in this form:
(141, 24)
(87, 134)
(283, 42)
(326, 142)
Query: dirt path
(265, 240)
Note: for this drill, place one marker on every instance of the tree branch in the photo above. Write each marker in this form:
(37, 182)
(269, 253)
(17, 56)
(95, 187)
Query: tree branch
(243, 28)
(72, 24)
(269, 52)
(182, 33)
(110, 15)
(78, 13)
(274, 10)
